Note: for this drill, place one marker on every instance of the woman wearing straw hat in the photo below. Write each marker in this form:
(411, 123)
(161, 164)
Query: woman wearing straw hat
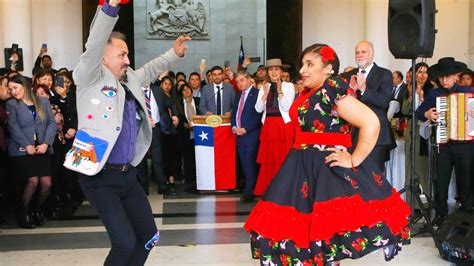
(276, 137)
(459, 155)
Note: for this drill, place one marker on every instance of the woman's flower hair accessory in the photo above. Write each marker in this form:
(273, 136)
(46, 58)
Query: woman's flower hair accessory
(327, 54)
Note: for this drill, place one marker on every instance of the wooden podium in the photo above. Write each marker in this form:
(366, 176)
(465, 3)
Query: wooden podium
(215, 149)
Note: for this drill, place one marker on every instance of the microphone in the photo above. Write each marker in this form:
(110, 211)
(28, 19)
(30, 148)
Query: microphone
(214, 95)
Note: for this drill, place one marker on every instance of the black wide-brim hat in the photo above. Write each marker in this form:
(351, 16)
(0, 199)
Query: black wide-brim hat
(446, 66)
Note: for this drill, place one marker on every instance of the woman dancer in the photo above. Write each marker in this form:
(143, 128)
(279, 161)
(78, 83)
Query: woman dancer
(326, 204)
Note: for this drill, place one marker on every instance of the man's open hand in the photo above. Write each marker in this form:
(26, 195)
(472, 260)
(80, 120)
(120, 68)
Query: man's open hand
(179, 46)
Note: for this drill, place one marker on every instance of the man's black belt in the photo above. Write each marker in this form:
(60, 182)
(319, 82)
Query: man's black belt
(117, 167)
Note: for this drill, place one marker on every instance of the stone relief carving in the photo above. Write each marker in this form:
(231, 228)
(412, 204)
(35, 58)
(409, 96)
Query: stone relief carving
(168, 19)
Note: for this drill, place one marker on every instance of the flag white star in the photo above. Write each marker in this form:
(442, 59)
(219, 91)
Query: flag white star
(203, 136)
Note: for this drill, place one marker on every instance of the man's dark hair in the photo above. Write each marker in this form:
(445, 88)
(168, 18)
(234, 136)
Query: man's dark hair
(399, 74)
(46, 56)
(116, 35)
(209, 71)
(181, 73)
(171, 74)
(216, 68)
(243, 73)
(195, 74)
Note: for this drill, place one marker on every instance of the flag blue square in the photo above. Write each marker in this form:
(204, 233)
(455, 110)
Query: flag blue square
(203, 136)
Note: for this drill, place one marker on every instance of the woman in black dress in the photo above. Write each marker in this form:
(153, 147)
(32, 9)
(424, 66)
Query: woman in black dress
(32, 130)
(169, 137)
(326, 204)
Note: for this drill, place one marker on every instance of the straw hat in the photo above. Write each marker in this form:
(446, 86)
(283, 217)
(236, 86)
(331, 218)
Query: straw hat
(275, 62)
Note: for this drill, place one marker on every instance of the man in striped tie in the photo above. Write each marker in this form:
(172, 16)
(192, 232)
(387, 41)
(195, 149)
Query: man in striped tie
(152, 104)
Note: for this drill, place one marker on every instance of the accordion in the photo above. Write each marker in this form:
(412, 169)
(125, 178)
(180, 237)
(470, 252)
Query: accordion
(455, 122)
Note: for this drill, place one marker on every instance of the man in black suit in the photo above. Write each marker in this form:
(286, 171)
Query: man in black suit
(154, 99)
(373, 85)
(399, 90)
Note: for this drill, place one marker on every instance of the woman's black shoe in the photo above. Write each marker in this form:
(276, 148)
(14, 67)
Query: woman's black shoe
(38, 218)
(25, 220)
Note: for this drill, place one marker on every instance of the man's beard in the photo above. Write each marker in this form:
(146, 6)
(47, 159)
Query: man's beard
(124, 77)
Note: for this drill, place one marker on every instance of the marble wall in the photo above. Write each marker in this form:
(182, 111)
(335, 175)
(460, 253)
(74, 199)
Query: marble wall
(228, 20)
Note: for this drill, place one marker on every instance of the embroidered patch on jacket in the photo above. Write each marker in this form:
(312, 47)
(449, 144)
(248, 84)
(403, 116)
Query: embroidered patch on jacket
(86, 153)
(153, 241)
(109, 91)
(95, 101)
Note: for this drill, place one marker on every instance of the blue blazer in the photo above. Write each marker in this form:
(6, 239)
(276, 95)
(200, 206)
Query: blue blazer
(22, 127)
(251, 119)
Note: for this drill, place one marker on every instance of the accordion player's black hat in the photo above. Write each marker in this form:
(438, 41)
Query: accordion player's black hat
(446, 66)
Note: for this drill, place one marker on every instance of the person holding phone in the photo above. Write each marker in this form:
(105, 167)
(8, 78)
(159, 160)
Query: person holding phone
(32, 129)
(43, 61)
(65, 186)
(277, 134)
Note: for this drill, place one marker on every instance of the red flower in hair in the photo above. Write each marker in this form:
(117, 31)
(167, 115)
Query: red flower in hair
(327, 54)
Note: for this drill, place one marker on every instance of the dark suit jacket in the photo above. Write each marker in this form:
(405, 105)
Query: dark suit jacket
(377, 97)
(167, 107)
(251, 119)
(400, 97)
(68, 109)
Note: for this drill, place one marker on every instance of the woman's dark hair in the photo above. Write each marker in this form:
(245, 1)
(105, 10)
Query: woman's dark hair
(316, 48)
(168, 79)
(18, 79)
(468, 73)
(41, 73)
(40, 86)
(428, 85)
(181, 88)
(62, 69)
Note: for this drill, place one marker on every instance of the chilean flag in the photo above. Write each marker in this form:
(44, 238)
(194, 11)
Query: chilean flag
(241, 55)
(215, 157)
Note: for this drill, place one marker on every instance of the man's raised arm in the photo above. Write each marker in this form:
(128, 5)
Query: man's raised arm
(89, 69)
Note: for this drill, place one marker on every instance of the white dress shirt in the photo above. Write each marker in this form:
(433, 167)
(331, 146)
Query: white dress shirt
(221, 92)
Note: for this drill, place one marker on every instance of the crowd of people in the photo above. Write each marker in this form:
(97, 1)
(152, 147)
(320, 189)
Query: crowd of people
(173, 100)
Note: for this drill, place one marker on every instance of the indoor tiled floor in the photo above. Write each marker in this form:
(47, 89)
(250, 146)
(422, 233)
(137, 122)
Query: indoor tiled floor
(203, 229)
